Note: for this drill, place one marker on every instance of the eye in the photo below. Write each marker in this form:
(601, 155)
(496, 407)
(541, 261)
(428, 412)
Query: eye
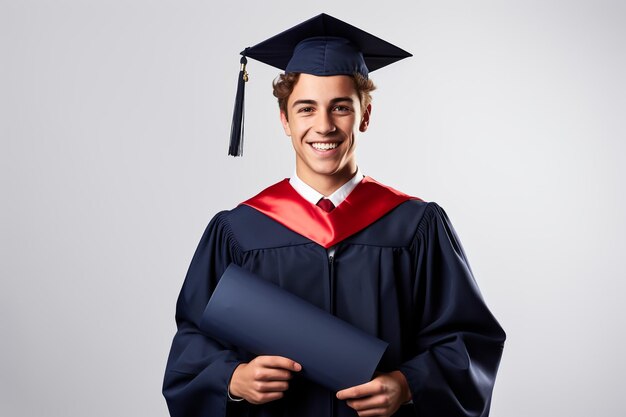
(305, 109)
(341, 109)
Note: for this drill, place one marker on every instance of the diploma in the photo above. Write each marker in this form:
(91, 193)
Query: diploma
(260, 317)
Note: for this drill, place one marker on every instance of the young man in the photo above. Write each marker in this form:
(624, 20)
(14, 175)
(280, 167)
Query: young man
(379, 259)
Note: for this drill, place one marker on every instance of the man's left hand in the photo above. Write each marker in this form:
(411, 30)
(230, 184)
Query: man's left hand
(381, 397)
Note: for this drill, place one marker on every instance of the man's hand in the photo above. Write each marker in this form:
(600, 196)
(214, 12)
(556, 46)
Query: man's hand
(263, 379)
(381, 397)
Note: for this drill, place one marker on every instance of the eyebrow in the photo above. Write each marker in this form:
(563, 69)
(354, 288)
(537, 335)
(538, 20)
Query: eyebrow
(333, 101)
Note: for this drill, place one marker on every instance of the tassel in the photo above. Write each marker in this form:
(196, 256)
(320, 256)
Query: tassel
(236, 129)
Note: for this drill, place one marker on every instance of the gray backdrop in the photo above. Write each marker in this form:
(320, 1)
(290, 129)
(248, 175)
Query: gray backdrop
(114, 119)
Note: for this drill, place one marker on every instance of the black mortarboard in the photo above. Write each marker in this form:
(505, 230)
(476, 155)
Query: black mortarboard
(319, 46)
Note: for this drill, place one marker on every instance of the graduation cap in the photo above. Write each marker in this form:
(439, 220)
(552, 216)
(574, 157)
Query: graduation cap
(322, 46)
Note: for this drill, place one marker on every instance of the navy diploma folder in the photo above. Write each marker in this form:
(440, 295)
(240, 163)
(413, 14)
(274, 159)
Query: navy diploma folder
(260, 317)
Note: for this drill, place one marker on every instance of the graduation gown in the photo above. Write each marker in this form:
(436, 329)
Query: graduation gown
(398, 272)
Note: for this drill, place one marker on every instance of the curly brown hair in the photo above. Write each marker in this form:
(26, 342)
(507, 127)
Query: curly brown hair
(284, 84)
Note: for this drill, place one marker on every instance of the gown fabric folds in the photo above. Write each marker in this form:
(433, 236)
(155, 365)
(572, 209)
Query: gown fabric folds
(404, 279)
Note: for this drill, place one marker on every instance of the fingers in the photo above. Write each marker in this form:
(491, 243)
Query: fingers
(365, 390)
(379, 405)
(272, 386)
(274, 368)
(271, 374)
(263, 379)
(380, 402)
(278, 362)
(380, 397)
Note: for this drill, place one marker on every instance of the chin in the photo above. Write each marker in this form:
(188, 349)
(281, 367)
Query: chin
(322, 169)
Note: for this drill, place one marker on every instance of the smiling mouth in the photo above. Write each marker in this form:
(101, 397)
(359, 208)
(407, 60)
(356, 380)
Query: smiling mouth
(324, 146)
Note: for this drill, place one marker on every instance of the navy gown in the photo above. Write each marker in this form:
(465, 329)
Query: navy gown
(404, 279)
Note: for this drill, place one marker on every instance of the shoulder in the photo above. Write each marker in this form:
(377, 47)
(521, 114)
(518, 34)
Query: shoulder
(218, 234)
(252, 229)
(414, 209)
(399, 227)
(243, 216)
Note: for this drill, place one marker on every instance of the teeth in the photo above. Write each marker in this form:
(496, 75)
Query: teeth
(324, 146)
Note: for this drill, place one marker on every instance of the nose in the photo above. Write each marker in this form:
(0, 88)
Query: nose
(324, 124)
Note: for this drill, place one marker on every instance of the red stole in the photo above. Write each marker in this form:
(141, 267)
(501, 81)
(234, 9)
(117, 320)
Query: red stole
(368, 202)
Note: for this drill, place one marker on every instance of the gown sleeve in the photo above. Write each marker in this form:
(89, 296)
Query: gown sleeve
(458, 343)
(199, 368)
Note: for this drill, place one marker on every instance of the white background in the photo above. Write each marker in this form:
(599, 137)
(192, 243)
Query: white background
(115, 117)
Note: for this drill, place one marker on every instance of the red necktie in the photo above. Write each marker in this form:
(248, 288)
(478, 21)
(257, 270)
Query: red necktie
(326, 205)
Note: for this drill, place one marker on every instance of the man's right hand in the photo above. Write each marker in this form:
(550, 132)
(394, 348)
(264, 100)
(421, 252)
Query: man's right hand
(263, 379)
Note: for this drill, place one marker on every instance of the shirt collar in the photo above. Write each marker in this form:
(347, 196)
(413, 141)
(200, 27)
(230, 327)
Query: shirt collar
(312, 196)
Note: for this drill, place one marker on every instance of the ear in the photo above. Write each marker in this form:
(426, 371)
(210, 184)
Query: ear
(285, 123)
(365, 121)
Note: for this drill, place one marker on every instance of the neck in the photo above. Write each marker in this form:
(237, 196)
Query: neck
(326, 184)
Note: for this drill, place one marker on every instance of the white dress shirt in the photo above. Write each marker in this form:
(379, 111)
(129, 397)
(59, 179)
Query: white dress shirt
(312, 196)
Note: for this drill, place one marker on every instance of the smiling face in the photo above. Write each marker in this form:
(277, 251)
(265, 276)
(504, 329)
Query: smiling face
(323, 119)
